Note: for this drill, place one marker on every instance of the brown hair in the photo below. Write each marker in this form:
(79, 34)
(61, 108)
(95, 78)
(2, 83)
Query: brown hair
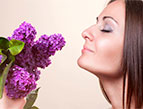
(132, 60)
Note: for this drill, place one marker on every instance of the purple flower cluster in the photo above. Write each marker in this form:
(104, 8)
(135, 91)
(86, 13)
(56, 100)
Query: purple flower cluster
(45, 47)
(36, 54)
(19, 82)
(0, 58)
(26, 33)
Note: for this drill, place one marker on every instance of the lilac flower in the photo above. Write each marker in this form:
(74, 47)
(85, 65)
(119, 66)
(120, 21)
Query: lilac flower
(40, 55)
(36, 73)
(26, 33)
(45, 47)
(25, 58)
(23, 75)
(0, 58)
(19, 82)
(55, 42)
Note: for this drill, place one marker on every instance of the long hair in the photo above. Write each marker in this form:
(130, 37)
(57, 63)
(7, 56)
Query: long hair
(132, 60)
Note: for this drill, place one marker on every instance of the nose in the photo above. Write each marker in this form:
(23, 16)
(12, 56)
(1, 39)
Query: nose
(87, 34)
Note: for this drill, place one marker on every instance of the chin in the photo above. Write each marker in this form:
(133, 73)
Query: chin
(100, 70)
(84, 63)
(81, 62)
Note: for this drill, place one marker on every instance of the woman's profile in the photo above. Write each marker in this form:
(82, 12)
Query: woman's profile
(113, 51)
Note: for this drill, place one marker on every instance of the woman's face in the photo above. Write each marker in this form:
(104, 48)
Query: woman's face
(103, 48)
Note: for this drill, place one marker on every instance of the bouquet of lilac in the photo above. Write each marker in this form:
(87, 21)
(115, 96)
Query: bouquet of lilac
(21, 59)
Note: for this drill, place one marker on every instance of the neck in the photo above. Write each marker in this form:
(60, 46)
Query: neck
(114, 90)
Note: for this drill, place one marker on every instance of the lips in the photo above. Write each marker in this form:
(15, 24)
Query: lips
(87, 49)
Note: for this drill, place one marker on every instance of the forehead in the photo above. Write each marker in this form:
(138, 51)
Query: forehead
(116, 10)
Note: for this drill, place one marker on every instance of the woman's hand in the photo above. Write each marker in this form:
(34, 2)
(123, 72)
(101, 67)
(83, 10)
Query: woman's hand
(8, 103)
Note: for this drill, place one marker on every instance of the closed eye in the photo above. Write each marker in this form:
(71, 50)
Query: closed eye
(107, 28)
(108, 31)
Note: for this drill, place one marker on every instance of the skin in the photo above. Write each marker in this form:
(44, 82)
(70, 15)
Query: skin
(8, 103)
(102, 51)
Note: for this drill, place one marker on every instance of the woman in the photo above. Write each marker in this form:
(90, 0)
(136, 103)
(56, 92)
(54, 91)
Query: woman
(113, 51)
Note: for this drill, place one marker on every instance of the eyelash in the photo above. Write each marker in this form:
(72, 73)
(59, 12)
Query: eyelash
(107, 31)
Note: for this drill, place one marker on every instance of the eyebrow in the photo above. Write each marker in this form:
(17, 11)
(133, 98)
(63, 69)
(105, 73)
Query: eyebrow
(105, 17)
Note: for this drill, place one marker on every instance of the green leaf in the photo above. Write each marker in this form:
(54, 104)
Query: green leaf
(4, 43)
(34, 107)
(3, 75)
(4, 57)
(31, 98)
(15, 46)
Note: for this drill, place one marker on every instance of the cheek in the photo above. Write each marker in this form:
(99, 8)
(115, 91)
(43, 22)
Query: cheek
(107, 48)
(107, 58)
(109, 54)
